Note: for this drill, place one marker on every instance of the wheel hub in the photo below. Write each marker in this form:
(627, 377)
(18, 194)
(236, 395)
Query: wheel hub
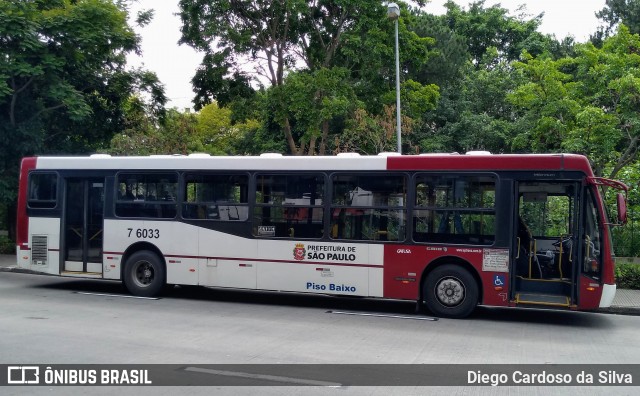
(144, 274)
(450, 292)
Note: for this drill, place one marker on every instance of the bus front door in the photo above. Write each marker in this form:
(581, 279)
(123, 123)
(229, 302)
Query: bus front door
(545, 270)
(83, 225)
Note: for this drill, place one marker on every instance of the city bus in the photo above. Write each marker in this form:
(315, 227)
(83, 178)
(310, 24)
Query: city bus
(449, 231)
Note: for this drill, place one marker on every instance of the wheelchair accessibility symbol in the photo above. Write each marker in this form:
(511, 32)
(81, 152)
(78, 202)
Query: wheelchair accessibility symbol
(498, 280)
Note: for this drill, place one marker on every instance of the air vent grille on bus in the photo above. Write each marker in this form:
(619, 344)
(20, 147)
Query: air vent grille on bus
(39, 249)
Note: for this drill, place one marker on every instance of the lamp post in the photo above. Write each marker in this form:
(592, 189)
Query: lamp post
(393, 12)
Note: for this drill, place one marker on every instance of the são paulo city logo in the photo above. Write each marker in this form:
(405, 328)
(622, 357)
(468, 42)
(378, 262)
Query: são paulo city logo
(324, 252)
(299, 251)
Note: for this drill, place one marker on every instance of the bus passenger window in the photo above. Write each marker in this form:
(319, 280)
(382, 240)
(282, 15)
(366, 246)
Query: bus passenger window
(454, 209)
(368, 207)
(140, 195)
(289, 206)
(220, 197)
(43, 190)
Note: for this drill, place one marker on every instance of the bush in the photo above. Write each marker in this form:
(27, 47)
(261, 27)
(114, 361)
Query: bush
(628, 276)
(7, 246)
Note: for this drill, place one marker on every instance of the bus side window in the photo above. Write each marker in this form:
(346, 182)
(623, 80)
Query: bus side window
(43, 190)
(137, 195)
(289, 205)
(220, 197)
(368, 207)
(454, 209)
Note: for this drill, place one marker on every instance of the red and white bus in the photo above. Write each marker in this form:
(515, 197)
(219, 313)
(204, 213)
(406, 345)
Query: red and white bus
(448, 230)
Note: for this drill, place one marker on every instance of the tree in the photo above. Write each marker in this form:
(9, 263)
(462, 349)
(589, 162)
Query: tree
(217, 134)
(587, 104)
(451, 51)
(616, 12)
(475, 48)
(473, 112)
(63, 79)
(492, 27)
(274, 37)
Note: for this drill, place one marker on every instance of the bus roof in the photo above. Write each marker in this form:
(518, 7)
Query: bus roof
(388, 161)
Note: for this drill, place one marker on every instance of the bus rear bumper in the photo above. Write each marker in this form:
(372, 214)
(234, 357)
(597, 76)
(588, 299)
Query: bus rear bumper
(608, 293)
(23, 258)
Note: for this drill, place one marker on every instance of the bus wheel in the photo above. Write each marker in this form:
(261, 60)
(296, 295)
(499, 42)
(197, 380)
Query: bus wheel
(144, 274)
(450, 291)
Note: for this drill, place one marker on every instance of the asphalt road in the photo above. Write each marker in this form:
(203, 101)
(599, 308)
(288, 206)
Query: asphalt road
(50, 320)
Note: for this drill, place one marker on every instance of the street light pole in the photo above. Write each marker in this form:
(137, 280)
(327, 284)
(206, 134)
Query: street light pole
(393, 12)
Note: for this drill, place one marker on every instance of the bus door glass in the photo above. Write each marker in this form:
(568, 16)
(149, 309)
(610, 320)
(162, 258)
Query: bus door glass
(83, 224)
(592, 239)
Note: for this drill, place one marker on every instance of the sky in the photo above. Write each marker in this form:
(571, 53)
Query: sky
(176, 64)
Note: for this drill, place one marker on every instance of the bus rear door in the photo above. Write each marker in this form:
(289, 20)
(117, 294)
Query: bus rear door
(83, 226)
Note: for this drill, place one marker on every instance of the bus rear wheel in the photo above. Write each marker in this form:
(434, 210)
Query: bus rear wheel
(450, 291)
(144, 274)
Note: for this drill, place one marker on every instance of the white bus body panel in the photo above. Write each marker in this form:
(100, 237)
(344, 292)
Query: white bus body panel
(199, 256)
(173, 239)
(227, 260)
(229, 273)
(46, 256)
(170, 162)
(608, 294)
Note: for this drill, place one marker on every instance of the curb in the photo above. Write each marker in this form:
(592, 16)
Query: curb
(17, 270)
(632, 311)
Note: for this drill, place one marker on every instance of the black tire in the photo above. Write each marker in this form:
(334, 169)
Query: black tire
(450, 291)
(144, 274)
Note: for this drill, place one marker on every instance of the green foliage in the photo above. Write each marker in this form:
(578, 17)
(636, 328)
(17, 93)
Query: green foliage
(63, 81)
(209, 131)
(7, 246)
(333, 51)
(487, 27)
(626, 240)
(415, 98)
(585, 104)
(449, 56)
(628, 276)
(368, 134)
(174, 134)
(616, 12)
(218, 135)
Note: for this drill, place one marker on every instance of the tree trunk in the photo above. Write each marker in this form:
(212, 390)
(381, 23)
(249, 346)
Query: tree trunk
(289, 136)
(312, 146)
(325, 136)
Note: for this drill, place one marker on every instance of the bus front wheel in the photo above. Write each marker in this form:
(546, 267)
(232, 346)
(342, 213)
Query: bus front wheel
(450, 291)
(144, 274)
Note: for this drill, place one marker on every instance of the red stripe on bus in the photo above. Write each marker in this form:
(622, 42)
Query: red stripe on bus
(551, 162)
(265, 260)
(22, 220)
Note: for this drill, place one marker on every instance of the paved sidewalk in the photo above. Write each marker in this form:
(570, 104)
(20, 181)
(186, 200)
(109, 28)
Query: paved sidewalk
(625, 302)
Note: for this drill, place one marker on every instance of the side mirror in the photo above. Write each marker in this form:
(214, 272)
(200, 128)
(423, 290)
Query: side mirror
(622, 208)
